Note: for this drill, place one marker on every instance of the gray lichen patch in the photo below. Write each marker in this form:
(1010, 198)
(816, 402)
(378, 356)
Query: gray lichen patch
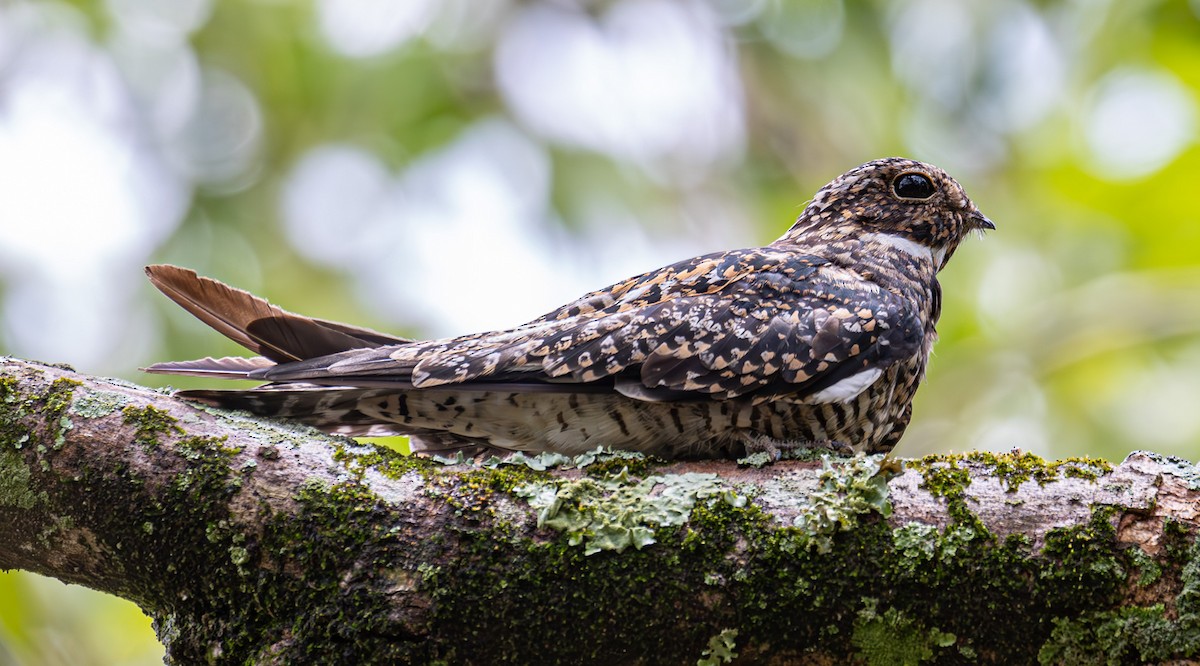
(18, 411)
(722, 649)
(615, 513)
(823, 501)
(844, 493)
(15, 476)
(1177, 467)
(96, 403)
(601, 461)
(268, 431)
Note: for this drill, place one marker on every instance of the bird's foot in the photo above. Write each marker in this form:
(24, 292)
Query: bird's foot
(761, 449)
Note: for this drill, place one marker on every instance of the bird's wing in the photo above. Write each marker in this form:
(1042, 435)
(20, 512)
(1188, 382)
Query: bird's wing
(254, 323)
(487, 355)
(791, 327)
(720, 326)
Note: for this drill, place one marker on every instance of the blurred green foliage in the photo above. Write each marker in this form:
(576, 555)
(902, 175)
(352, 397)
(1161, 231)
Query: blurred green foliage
(1070, 330)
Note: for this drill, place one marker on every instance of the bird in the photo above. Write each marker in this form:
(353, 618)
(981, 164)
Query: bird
(817, 340)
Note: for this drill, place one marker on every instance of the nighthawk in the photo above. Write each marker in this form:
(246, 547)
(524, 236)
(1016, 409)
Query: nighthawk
(816, 340)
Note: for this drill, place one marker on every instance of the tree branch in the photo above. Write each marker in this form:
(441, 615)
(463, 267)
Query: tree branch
(252, 541)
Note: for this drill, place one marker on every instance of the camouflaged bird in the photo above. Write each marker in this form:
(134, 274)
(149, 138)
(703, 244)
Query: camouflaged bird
(816, 340)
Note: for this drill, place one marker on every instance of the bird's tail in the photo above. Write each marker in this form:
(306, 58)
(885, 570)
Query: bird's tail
(425, 416)
(277, 335)
(333, 410)
(283, 337)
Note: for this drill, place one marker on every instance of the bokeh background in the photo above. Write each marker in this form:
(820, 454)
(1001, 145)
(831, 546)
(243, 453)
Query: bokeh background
(435, 167)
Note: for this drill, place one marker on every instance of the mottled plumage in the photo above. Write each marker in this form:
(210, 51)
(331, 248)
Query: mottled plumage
(819, 338)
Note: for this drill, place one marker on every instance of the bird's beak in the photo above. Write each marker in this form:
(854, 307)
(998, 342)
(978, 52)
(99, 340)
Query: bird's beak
(980, 221)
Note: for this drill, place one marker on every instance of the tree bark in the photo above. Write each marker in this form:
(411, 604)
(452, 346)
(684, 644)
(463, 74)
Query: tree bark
(251, 541)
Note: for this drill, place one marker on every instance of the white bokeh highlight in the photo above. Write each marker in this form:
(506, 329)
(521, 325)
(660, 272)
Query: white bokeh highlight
(807, 30)
(1157, 406)
(218, 145)
(934, 48)
(330, 202)
(366, 28)
(1026, 72)
(463, 239)
(648, 81)
(83, 197)
(1138, 120)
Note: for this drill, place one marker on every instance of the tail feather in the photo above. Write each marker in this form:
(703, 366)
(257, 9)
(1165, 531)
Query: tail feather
(332, 410)
(344, 411)
(229, 367)
(254, 323)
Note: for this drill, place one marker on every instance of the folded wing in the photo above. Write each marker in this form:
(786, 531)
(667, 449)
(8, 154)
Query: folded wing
(718, 327)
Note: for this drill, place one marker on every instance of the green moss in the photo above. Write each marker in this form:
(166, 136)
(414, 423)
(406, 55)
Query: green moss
(511, 583)
(892, 638)
(1149, 571)
(198, 448)
(57, 398)
(944, 478)
(1188, 601)
(331, 615)
(13, 431)
(1177, 540)
(471, 493)
(939, 596)
(56, 524)
(9, 389)
(614, 462)
(1013, 469)
(49, 407)
(1138, 635)
(1085, 567)
(209, 468)
(1130, 634)
(358, 458)
(55, 403)
(149, 422)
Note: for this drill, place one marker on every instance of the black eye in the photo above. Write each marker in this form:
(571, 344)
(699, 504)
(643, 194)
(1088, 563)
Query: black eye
(912, 186)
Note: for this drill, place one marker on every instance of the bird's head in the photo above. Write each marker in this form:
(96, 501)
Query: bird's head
(901, 201)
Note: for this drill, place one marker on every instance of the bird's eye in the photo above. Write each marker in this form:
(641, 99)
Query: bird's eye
(912, 186)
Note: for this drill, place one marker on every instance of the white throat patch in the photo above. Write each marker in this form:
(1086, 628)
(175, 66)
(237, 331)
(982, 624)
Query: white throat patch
(909, 247)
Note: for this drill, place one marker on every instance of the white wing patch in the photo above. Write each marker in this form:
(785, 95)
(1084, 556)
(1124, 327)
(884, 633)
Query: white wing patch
(845, 390)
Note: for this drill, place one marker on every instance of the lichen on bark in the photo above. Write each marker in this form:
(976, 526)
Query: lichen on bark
(250, 541)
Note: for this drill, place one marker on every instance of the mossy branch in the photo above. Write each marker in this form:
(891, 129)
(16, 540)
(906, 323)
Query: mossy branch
(257, 542)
